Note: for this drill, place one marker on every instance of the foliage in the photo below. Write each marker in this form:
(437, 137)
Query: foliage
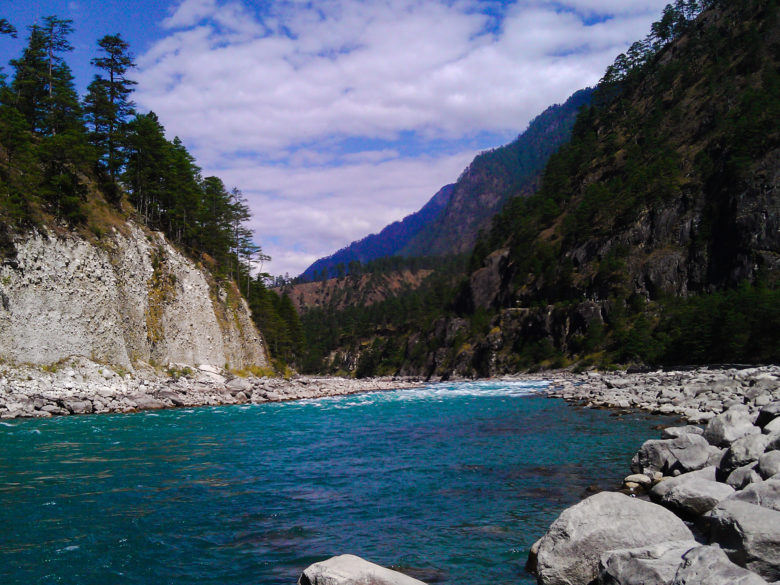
(670, 131)
(78, 165)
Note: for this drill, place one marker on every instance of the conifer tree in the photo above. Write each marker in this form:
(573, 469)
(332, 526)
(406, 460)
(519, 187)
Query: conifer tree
(107, 103)
(144, 172)
(43, 88)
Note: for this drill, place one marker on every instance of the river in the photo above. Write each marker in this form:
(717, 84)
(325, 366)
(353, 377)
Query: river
(451, 483)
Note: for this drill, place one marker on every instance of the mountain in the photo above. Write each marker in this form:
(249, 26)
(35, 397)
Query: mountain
(389, 242)
(450, 221)
(654, 236)
(493, 178)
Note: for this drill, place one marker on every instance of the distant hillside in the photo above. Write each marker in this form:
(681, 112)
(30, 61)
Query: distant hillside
(493, 178)
(386, 243)
(364, 290)
(654, 236)
(450, 221)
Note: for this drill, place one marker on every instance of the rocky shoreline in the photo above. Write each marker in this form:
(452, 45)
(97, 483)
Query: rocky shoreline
(695, 395)
(80, 386)
(701, 505)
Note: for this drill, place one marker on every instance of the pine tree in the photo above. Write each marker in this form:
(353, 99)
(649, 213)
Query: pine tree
(144, 173)
(107, 103)
(43, 88)
(6, 28)
(29, 84)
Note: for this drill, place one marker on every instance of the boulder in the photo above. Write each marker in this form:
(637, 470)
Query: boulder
(765, 493)
(685, 453)
(659, 490)
(772, 427)
(695, 497)
(638, 480)
(78, 406)
(352, 570)
(743, 476)
(773, 441)
(237, 385)
(708, 565)
(769, 464)
(768, 413)
(570, 551)
(639, 566)
(748, 534)
(741, 452)
(729, 426)
(146, 402)
(674, 432)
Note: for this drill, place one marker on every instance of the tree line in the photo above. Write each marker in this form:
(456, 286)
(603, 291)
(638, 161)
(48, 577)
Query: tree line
(61, 153)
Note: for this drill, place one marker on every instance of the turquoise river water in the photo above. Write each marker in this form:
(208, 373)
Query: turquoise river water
(451, 483)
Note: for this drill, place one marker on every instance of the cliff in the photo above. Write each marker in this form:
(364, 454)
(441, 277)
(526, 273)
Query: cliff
(126, 298)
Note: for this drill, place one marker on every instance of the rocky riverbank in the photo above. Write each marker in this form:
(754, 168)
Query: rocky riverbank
(80, 386)
(696, 395)
(701, 506)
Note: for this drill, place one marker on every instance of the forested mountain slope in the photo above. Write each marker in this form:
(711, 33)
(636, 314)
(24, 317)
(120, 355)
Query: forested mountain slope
(495, 176)
(655, 234)
(449, 223)
(389, 242)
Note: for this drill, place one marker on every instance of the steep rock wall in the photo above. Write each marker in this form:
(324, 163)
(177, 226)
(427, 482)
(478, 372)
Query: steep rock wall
(131, 297)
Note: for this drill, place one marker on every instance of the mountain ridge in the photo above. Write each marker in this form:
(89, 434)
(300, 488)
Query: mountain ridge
(388, 242)
(654, 237)
(451, 220)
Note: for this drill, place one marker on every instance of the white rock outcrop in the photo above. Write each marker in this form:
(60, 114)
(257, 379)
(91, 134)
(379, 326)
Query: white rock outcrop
(130, 298)
(352, 570)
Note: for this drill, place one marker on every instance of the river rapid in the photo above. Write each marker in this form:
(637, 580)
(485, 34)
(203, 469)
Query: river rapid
(451, 483)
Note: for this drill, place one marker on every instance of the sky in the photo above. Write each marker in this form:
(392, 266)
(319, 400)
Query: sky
(337, 117)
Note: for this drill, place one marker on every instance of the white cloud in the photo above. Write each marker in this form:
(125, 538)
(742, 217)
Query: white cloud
(303, 213)
(268, 96)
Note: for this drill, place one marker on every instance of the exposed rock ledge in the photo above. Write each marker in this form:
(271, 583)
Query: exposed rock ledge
(128, 297)
(80, 386)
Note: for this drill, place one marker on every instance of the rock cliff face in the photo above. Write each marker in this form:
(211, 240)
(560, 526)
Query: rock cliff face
(130, 298)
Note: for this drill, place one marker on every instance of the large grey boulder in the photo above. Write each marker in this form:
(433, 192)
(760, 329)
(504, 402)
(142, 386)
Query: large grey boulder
(708, 565)
(695, 497)
(145, 402)
(741, 452)
(352, 570)
(570, 551)
(685, 453)
(78, 406)
(659, 490)
(729, 426)
(749, 535)
(772, 427)
(743, 476)
(674, 432)
(765, 493)
(639, 566)
(767, 414)
(769, 464)
(773, 441)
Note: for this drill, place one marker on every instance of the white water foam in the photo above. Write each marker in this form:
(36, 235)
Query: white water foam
(438, 392)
